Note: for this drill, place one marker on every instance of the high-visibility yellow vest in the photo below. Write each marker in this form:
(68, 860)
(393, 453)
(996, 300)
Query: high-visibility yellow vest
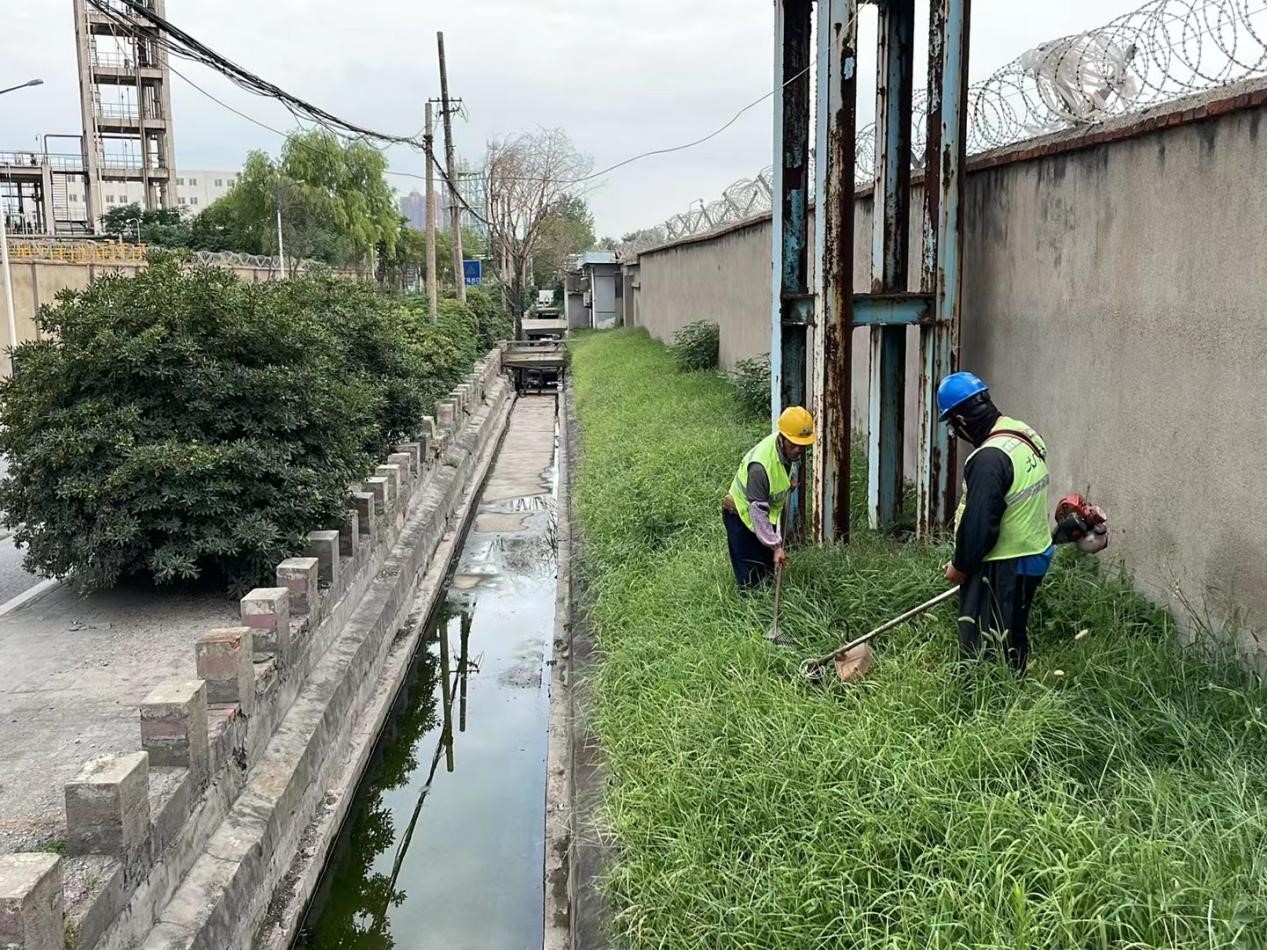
(1024, 529)
(766, 454)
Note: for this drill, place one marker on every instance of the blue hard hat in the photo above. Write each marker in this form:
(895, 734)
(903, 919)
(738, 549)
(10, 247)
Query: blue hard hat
(955, 390)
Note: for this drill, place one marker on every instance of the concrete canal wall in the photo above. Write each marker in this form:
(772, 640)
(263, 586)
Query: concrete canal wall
(212, 833)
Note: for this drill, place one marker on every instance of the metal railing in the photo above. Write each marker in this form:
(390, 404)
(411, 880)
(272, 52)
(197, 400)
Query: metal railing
(1163, 51)
(78, 252)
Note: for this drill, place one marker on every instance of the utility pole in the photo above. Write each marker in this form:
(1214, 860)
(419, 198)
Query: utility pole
(429, 143)
(8, 282)
(455, 211)
(281, 250)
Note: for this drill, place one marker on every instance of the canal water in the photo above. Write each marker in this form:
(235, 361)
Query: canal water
(444, 845)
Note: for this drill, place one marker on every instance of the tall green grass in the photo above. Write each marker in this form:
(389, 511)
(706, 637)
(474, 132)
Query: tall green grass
(1113, 798)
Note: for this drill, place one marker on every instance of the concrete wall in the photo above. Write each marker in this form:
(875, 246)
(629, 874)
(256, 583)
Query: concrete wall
(1114, 289)
(37, 282)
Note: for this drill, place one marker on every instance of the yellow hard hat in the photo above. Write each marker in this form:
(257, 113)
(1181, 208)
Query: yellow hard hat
(797, 425)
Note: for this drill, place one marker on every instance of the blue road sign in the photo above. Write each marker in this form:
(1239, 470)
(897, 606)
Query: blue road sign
(473, 273)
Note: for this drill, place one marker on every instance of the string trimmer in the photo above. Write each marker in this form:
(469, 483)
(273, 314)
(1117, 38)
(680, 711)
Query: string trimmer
(856, 658)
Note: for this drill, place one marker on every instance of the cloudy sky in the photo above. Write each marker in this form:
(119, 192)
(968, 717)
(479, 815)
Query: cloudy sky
(620, 78)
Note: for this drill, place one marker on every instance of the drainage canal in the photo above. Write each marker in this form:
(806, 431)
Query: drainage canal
(444, 845)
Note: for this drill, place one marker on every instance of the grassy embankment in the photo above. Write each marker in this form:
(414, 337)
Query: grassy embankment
(1113, 798)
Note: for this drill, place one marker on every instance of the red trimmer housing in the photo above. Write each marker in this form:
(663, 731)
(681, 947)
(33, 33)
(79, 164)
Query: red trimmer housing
(1082, 523)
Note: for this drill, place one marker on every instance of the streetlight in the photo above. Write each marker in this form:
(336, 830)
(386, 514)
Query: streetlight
(4, 252)
(29, 82)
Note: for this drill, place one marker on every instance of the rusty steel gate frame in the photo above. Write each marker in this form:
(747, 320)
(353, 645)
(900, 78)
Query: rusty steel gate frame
(889, 308)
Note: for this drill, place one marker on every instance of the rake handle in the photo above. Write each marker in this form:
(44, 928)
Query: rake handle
(778, 591)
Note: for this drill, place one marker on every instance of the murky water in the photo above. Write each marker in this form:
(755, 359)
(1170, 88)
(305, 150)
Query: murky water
(444, 846)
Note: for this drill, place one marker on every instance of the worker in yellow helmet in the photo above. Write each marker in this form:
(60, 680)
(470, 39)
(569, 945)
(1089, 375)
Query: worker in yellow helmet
(757, 495)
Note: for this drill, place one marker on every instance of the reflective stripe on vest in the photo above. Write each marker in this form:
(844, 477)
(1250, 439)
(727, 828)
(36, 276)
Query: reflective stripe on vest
(766, 454)
(1024, 529)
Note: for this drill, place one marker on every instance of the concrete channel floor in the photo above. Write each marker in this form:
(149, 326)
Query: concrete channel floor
(449, 853)
(75, 670)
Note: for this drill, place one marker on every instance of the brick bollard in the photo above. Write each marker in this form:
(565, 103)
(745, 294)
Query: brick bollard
(415, 453)
(299, 576)
(368, 524)
(350, 535)
(108, 806)
(384, 499)
(266, 610)
(226, 663)
(174, 728)
(406, 462)
(32, 912)
(324, 546)
(396, 481)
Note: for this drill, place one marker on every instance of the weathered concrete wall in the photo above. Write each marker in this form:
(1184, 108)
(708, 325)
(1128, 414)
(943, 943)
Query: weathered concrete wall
(37, 282)
(1113, 289)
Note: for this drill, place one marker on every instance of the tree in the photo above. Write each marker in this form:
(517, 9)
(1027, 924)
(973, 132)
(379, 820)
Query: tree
(163, 227)
(335, 204)
(569, 229)
(527, 179)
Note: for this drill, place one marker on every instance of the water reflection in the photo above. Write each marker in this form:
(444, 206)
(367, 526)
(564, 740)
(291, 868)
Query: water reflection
(452, 857)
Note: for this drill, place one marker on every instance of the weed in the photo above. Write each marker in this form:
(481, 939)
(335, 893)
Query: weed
(751, 379)
(697, 345)
(1115, 797)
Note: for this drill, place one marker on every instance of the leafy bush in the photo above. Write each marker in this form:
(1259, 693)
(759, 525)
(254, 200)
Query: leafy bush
(696, 345)
(1114, 797)
(492, 321)
(751, 378)
(185, 424)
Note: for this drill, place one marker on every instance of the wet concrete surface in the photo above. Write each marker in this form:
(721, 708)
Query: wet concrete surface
(444, 846)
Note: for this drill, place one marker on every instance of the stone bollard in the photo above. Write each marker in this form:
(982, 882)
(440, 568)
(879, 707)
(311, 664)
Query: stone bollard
(299, 576)
(384, 500)
(395, 480)
(445, 414)
(405, 462)
(174, 728)
(108, 806)
(324, 546)
(427, 433)
(350, 534)
(367, 523)
(415, 453)
(266, 610)
(226, 663)
(32, 909)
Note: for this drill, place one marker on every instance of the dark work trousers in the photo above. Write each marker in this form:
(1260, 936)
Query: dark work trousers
(994, 609)
(752, 561)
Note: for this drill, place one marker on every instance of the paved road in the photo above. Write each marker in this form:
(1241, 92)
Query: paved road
(13, 580)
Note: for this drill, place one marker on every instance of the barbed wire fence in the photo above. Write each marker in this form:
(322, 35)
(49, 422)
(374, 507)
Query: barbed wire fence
(1163, 51)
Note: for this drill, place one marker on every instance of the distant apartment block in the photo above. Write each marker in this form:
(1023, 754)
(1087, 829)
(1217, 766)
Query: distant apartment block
(413, 206)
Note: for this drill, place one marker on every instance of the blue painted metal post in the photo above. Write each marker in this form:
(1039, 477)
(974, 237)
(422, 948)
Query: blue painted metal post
(792, 303)
(943, 245)
(837, 116)
(890, 247)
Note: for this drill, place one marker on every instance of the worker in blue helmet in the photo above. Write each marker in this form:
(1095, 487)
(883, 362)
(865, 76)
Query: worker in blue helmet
(1003, 538)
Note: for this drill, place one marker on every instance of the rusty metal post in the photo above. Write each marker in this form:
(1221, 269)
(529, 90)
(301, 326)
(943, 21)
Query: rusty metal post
(793, 304)
(889, 249)
(942, 252)
(837, 116)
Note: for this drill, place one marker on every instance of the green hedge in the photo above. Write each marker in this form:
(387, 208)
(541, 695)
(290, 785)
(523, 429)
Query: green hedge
(183, 424)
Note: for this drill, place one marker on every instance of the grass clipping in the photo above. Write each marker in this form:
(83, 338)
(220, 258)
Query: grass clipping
(1112, 798)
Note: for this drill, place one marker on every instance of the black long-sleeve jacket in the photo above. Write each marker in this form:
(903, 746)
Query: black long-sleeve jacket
(987, 476)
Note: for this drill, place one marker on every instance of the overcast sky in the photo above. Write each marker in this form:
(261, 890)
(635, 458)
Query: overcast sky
(620, 78)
